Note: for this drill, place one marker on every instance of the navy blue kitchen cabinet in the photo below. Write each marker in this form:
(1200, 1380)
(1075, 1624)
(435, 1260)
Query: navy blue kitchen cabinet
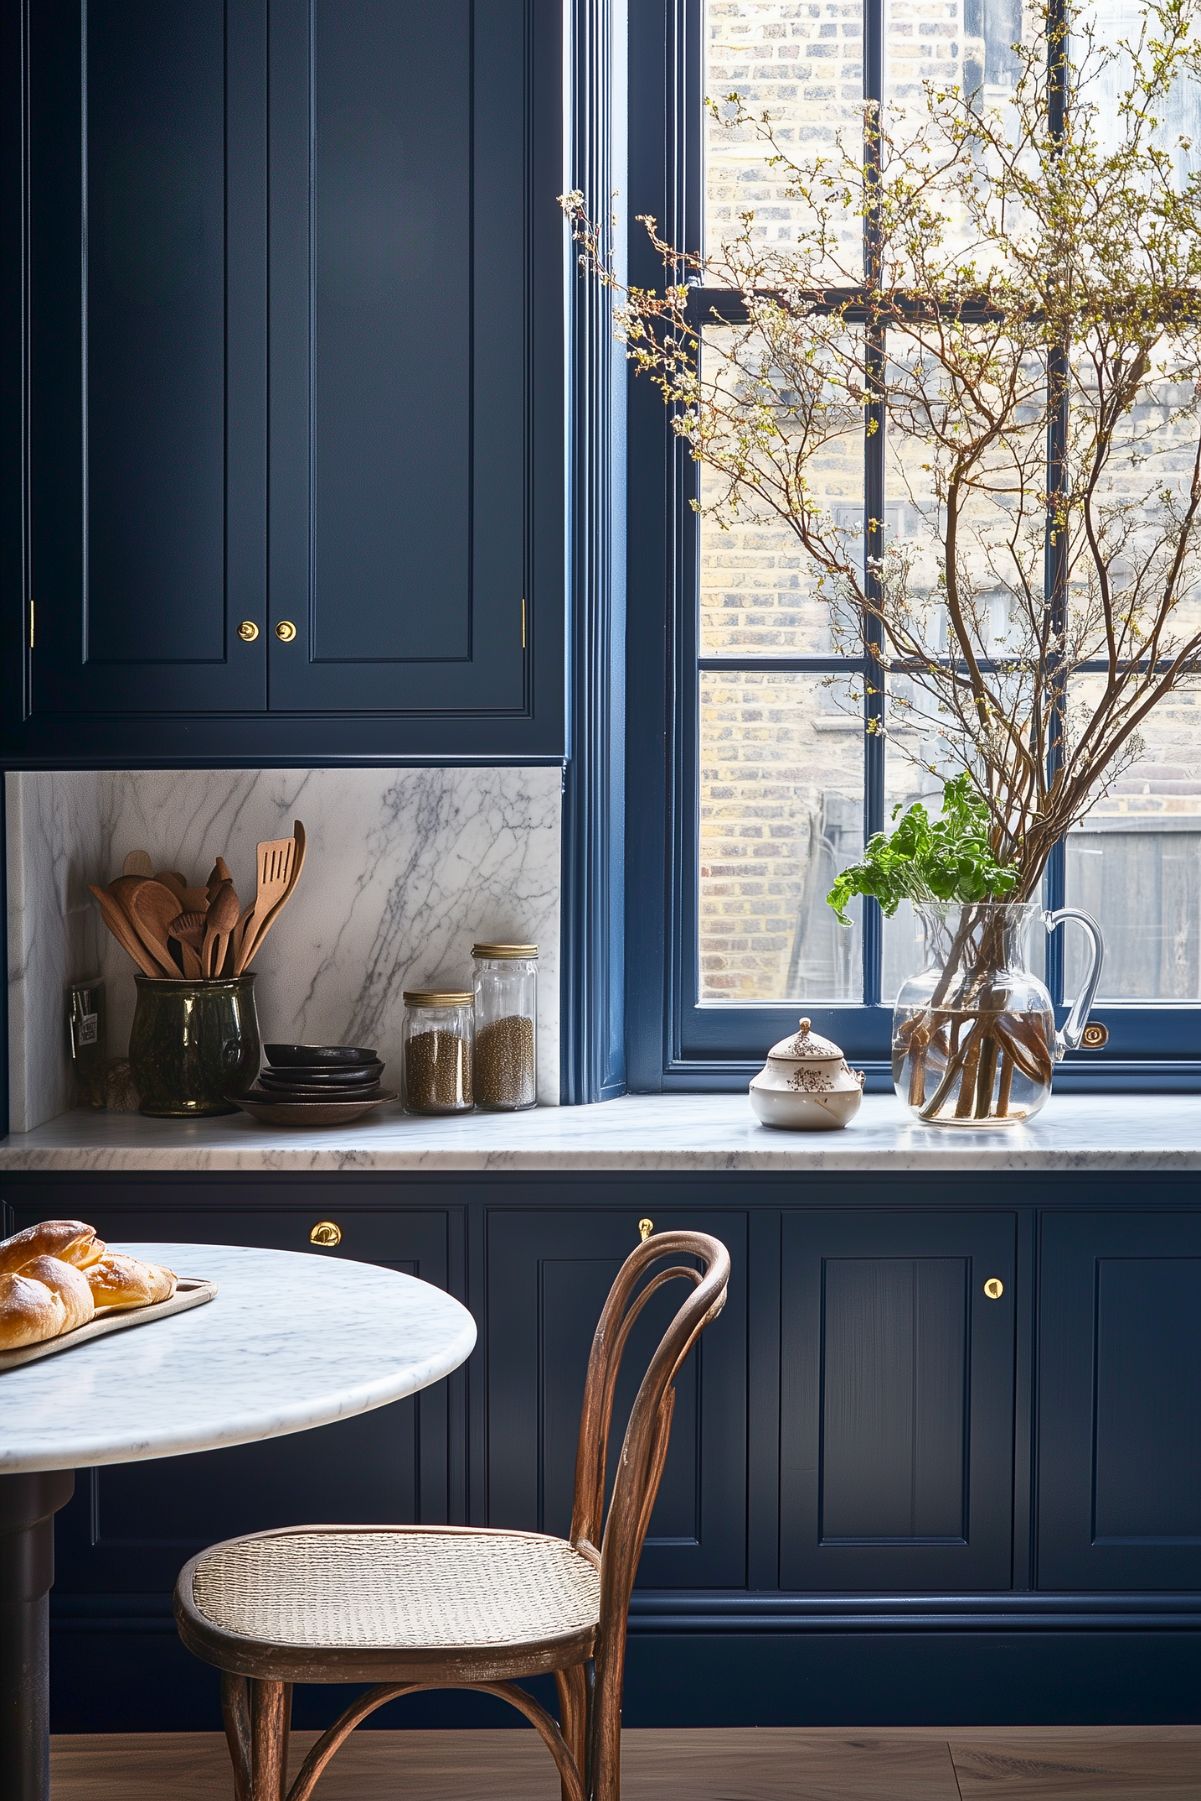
(548, 1274)
(292, 277)
(891, 1498)
(897, 1401)
(1120, 1402)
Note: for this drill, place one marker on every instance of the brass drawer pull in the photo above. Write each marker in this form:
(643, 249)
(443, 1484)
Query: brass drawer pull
(645, 1228)
(994, 1288)
(325, 1232)
(248, 631)
(285, 631)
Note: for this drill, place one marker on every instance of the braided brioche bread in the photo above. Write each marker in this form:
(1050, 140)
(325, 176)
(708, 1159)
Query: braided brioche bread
(117, 1280)
(58, 1275)
(69, 1284)
(29, 1312)
(70, 1240)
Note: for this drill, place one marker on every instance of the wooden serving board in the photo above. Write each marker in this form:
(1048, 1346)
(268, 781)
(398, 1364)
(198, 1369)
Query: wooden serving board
(190, 1291)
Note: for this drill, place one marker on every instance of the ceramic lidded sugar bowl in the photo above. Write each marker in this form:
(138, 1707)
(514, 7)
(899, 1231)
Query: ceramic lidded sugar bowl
(805, 1084)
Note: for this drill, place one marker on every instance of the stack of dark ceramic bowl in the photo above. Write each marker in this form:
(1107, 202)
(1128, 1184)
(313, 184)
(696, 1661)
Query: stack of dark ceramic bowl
(315, 1085)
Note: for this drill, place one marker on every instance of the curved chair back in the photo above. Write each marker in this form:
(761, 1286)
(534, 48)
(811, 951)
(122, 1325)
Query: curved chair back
(615, 1538)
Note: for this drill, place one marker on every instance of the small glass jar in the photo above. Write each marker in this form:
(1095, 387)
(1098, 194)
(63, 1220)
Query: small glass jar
(439, 1034)
(506, 1026)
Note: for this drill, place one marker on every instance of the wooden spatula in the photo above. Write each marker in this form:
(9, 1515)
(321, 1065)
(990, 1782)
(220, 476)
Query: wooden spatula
(276, 862)
(188, 931)
(137, 863)
(121, 929)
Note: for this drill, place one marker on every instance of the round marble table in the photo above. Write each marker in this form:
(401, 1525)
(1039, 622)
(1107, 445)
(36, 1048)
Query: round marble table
(292, 1340)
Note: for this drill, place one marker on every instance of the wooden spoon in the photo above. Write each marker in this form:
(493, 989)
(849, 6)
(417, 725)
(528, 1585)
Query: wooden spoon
(174, 880)
(137, 863)
(276, 861)
(122, 930)
(124, 891)
(222, 918)
(217, 874)
(188, 929)
(152, 906)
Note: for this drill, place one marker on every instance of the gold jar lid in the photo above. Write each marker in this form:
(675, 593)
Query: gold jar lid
(504, 950)
(437, 997)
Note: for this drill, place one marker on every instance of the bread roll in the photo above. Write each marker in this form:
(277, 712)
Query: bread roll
(69, 1284)
(29, 1312)
(69, 1239)
(121, 1281)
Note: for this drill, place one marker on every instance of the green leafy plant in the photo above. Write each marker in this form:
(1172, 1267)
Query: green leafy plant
(945, 859)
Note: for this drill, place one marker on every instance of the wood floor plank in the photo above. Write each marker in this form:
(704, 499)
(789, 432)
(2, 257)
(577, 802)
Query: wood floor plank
(1060, 1766)
(1153, 1764)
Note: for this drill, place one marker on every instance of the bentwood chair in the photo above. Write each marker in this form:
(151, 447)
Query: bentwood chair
(406, 1608)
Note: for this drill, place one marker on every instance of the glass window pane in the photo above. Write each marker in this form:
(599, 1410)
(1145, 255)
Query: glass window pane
(1135, 528)
(802, 64)
(761, 593)
(781, 811)
(1001, 517)
(1135, 862)
(1101, 29)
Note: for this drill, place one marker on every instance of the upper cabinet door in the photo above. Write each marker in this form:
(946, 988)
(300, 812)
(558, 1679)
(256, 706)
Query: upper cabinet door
(146, 291)
(1119, 1475)
(400, 375)
(897, 1402)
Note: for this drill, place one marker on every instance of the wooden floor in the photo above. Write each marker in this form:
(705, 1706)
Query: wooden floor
(1122, 1763)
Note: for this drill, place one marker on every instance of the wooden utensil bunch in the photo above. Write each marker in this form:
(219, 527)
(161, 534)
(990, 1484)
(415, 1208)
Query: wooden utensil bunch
(172, 929)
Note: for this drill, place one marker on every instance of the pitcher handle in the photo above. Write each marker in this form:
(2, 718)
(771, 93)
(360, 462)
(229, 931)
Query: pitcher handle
(1072, 1035)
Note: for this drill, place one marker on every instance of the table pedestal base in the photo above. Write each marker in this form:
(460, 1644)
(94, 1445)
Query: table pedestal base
(28, 1505)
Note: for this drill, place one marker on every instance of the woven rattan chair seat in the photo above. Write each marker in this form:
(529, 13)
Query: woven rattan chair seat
(371, 1589)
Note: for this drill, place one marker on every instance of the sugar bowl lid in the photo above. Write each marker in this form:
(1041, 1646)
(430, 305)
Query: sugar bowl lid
(805, 1046)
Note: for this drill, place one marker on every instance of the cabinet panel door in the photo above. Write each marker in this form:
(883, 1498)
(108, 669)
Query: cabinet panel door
(897, 1394)
(1120, 1402)
(131, 1526)
(147, 321)
(399, 318)
(548, 1275)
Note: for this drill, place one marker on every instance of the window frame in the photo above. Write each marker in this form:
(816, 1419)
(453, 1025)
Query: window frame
(674, 1040)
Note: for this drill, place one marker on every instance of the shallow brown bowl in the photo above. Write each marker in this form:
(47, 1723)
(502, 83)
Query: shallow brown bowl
(274, 1111)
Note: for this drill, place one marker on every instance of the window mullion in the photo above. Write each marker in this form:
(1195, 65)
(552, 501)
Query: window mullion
(873, 498)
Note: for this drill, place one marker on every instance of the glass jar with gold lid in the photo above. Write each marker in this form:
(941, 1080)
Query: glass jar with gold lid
(506, 1026)
(439, 1044)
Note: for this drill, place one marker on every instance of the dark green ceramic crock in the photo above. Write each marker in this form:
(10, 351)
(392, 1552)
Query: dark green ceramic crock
(193, 1043)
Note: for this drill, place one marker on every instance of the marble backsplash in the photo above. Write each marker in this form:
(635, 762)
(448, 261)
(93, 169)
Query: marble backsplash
(405, 868)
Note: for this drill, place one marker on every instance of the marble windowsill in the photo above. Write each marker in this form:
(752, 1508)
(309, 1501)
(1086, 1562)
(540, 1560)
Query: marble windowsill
(648, 1132)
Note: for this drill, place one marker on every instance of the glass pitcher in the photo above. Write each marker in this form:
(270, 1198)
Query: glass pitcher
(974, 1040)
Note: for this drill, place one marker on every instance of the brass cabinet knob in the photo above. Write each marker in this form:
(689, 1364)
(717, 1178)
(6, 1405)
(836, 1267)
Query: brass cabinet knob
(248, 631)
(994, 1288)
(285, 631)
(645, 1228)
(1095, 1036)
(325, 1232)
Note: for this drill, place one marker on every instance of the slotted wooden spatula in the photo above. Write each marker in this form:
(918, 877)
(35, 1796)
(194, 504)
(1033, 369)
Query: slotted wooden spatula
(276, 860)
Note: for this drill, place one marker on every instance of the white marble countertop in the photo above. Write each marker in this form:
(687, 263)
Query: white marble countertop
(649, 1132)
(290, 1340)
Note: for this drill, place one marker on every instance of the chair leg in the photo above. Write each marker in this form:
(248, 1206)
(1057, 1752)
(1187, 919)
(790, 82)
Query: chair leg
(572, 1685)
(604, 1728)
(235, 1711)
(270, 1716)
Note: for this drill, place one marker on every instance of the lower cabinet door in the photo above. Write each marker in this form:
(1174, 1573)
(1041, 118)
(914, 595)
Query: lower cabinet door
(131, 1526)
(548, 1274)
(897, 1399)
(1119, 1474)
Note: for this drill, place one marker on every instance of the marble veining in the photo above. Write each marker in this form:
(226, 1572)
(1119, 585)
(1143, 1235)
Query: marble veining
(406, 867)
(291, 1340)
(640, 1132)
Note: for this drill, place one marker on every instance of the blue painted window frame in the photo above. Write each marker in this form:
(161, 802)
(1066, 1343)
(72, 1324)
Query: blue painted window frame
(673, 1040)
